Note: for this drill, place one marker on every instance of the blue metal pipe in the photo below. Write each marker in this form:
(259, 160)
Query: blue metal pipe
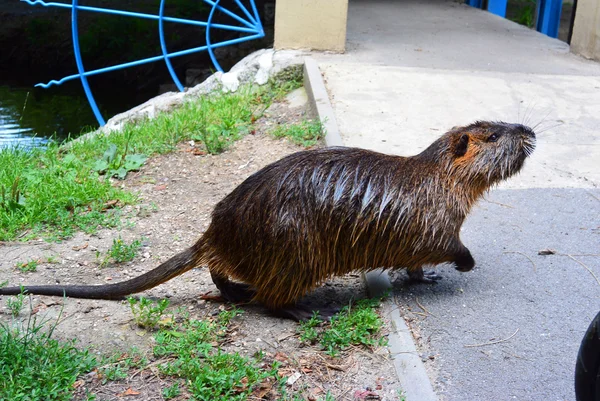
(255, 28)
(257, 16)
(151, 59)
(251, 28)
(163, 46)
(208, 45)
(79, 62)
(245, 10)
(232, 15)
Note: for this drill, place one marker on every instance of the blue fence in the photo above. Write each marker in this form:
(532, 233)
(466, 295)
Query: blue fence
(245, 14)
(547, 13)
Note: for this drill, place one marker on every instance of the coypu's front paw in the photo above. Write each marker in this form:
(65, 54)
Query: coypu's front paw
(423, 276)
(464, 261)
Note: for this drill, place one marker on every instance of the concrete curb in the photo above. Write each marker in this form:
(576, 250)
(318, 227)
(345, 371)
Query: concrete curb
(409, 367)
(318, 99)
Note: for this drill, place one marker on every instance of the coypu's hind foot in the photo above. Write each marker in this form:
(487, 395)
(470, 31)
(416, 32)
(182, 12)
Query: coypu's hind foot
(231, 291)
(423, 276)
(300, 312)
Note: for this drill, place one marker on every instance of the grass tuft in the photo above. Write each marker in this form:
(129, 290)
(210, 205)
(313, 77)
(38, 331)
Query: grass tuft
(34, 366)
(210, 373)
(305, 133)
(357, 324)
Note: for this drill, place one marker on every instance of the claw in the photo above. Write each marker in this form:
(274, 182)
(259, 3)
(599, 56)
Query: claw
(421, 276)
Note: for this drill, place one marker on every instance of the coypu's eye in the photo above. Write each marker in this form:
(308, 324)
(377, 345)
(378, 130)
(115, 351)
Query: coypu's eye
(493, 138)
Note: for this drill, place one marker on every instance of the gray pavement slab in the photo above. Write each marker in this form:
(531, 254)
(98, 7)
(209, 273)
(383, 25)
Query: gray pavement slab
(450, 35)
(414, 69)
(549, 299)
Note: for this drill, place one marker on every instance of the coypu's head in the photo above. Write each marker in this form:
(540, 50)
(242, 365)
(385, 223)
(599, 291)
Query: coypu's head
(488, 152)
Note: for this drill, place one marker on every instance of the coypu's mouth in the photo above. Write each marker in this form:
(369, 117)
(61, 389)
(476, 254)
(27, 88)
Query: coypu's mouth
(528, 139)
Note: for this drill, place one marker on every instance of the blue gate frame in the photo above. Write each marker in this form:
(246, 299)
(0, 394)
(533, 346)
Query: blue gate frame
(250, 26)
(547, 13)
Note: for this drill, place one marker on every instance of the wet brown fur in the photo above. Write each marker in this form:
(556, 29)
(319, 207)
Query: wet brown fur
(327, 212)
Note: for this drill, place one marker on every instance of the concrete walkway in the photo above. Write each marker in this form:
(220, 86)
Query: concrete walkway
(415, 69)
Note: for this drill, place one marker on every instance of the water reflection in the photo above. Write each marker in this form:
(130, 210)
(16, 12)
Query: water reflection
(30, 116)
(13, 134)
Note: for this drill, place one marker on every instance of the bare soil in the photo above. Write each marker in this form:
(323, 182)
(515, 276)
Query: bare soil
(177, 192)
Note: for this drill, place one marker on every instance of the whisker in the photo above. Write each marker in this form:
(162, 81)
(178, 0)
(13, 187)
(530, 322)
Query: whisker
(542, 120)
(528, 113)
(545, 129)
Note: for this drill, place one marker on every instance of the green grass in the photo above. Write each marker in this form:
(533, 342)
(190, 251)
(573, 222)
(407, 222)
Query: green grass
(522, 12)
(305, 133)
(15, 304)
(120, 252)
(210, 373)
(34, 366)
(116, 367)
(357, 324)
(187, 354)
(147, 313)
(29, 266)
(56, 191)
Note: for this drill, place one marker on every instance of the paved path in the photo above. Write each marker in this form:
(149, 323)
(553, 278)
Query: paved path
(412, 71)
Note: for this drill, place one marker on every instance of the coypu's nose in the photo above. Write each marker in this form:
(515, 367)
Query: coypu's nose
(523, 129)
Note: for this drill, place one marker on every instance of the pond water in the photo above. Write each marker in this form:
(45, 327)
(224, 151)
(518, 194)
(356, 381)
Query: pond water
(32, 116)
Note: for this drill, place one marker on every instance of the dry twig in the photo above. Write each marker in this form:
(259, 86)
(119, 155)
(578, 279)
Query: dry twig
(492, 342)
(422, 307)
(521, 253)
(500, 204)
(585, 266)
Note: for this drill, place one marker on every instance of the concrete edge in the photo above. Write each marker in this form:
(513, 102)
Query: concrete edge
(318, 99)
(409, 367)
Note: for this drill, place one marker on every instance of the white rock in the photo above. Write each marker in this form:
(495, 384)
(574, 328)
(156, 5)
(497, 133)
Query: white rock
(265, 64)
(230, 82)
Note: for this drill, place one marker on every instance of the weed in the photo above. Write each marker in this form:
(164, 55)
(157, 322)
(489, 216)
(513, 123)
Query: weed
(285, 81)
(15, 304)
(118, 167)
(116, 367)
(308, 329)
(306, 133)
(29, 266)
(34, 366)
(172, 391)
(120, 252)
(328, 397)
(524, 12)
(353, 325)
(52, 259)
(147, 313)
(12, 199)
(210, 373)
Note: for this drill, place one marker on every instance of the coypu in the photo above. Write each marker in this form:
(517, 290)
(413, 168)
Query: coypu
(331, 211)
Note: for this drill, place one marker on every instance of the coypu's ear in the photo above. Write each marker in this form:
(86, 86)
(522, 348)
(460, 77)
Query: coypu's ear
(461, 146)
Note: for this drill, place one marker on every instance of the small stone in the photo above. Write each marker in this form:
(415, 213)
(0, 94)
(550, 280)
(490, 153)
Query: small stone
(293, 378)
